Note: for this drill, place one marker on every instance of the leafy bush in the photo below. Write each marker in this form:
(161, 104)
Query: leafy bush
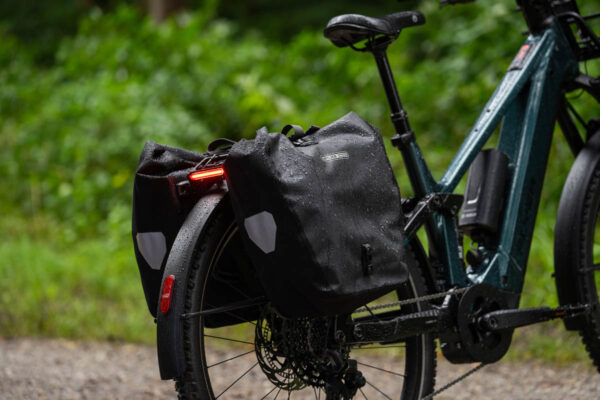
(71, 133)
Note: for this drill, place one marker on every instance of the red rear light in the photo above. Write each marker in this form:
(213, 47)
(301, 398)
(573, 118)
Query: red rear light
(206, 174)
(167, 291)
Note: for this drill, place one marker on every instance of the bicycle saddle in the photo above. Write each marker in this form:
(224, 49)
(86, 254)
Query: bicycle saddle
(348, 29)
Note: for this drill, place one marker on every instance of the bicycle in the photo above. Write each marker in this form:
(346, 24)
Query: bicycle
(469, 302)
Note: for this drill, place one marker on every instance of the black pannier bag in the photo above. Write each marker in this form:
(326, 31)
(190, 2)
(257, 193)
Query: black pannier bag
(320, 214)
(158, 211)
(162, 199)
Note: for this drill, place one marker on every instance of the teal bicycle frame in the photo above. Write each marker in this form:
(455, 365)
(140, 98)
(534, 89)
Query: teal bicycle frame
(526, 100)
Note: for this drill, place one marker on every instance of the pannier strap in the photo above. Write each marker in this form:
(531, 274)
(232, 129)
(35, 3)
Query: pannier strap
(298, 131)
(218, 144)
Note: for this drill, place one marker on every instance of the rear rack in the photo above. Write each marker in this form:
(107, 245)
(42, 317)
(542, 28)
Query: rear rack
(212, 160)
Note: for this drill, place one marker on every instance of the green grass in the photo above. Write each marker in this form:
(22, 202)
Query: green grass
(548, 342)
(87, 289)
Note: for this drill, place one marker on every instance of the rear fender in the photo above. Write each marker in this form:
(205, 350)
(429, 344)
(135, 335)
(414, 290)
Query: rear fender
(169, 327)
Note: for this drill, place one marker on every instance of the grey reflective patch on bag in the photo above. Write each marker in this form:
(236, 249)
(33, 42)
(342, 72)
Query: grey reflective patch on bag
(153, 247)
(262, 230)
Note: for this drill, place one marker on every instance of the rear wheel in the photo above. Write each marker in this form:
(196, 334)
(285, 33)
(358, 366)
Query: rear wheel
(241, 360)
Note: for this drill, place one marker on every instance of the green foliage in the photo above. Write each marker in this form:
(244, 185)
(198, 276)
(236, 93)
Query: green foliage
(281, 20)
(71, 130)
(549, 342)
(40, 25)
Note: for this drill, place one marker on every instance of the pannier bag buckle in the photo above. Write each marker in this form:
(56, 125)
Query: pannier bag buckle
(366, 252)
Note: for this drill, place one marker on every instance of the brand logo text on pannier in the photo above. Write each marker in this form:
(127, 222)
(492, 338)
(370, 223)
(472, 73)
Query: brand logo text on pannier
(342, 155)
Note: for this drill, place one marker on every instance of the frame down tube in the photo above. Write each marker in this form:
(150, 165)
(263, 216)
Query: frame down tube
(529, 111)
(525, 137)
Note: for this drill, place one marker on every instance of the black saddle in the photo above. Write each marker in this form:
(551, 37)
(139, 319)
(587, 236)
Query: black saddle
(348, 29)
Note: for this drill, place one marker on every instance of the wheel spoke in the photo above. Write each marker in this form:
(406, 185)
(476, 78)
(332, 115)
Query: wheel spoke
(371, 312)
(235, 315)
(317, 393)
(365, 343)
(379, 390)
(270, 391)
(237, 380)
(381, 369)
(230, 340)
(238, 290)
(232, 358)
(225, 280)
(363, 393)
(402, 346)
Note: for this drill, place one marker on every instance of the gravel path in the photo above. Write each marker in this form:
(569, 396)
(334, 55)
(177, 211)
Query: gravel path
(60, 369)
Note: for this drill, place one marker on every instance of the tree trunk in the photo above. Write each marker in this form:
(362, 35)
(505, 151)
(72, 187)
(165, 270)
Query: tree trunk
(161, 9)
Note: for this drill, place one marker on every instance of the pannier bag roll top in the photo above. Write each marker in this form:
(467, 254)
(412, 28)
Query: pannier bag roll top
(320, 216)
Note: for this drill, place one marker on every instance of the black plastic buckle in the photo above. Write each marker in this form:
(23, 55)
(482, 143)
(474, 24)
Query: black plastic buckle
(366, 252)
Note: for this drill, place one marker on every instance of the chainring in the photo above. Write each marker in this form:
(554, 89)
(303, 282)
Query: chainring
(480, 344)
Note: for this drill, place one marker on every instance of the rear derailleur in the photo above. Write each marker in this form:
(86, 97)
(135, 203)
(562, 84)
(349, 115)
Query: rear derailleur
(301, 352)
(345, 382)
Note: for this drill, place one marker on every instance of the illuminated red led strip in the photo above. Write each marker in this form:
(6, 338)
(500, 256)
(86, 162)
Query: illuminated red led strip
(209, 173)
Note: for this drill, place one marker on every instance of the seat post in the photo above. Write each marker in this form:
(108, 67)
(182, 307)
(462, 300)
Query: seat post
(399, 116)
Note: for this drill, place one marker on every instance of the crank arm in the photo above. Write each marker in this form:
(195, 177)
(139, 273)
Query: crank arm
(399, 328)
(510, 319)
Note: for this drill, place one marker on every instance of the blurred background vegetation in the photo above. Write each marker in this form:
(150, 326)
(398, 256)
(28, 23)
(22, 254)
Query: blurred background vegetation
(84, 83)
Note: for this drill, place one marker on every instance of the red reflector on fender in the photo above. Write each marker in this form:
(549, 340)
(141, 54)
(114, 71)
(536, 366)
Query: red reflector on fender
(167, 291)
(208, 173)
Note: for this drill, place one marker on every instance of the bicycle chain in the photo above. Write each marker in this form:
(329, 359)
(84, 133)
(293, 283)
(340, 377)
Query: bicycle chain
(452, 292)
(400, 303)
(454, 382)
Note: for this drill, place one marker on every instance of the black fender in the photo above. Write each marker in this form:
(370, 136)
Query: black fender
(169, 333)
(567, 238)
